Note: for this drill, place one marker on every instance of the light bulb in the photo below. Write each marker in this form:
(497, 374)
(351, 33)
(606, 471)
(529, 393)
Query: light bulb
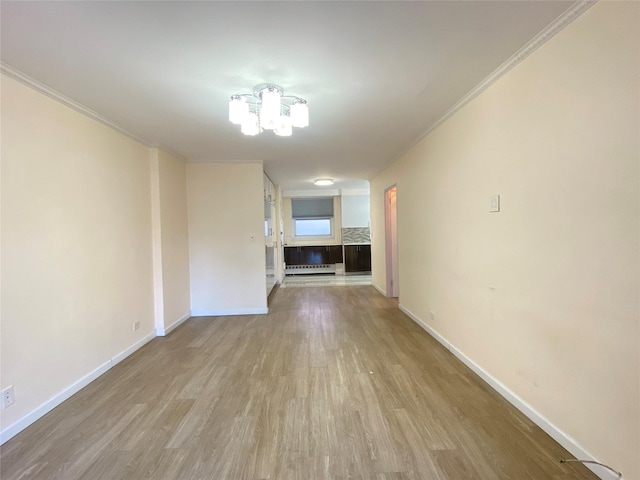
(238, 109)
(250, 125)
(300, 114)
(284, 128)
(270, 108)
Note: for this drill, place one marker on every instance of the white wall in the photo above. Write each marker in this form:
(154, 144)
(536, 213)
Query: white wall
(543, 295)
(76, 250)
(226, 238)
(171, 240)
(355, 211)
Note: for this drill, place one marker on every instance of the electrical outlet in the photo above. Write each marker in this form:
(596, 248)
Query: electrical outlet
(433, 316)
(136, 325)
(8, 397)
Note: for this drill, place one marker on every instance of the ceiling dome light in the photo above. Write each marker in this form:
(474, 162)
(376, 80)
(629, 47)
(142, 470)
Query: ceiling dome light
(323, 182)
(267, 108)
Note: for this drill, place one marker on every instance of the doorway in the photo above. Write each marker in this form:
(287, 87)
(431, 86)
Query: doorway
(391, 240)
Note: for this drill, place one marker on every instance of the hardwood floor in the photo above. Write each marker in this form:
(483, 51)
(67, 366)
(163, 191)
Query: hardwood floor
(335, 382)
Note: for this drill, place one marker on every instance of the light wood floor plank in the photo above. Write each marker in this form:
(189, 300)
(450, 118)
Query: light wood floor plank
(334, 383)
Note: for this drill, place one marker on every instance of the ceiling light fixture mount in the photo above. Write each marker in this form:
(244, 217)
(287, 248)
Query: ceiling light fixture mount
(323, 182)
(267, 108)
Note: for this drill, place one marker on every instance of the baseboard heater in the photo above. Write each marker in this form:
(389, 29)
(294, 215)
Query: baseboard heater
(309, 269)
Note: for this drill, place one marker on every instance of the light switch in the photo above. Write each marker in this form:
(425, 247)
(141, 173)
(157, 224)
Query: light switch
(495, 203)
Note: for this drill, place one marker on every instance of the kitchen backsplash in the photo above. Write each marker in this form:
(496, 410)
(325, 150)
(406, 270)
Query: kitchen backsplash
(356, 235)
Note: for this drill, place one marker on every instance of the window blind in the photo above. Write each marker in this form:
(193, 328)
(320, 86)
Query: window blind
(317, 207)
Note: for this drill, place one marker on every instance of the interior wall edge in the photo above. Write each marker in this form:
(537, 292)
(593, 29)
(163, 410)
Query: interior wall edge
(31, 417)
(564, 439)
(39, 87)
(78, 107)
(231, 312)
(380, 289)
(572, 13)
(162, 332)
(156, 240)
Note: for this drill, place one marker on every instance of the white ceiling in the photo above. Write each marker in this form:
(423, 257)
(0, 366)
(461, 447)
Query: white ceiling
(376, 75)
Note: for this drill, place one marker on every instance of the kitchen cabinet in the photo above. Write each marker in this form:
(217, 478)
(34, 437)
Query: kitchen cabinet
(292, 256)
(313, 255)
(357, 258)
(334, 253)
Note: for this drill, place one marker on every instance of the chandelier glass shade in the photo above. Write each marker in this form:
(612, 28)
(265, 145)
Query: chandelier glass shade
(267, 108)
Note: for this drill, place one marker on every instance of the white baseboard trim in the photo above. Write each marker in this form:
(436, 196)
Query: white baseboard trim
(161, 332)
(536, 417)
(426, 327)
(383, 292)
(12, 430)
(125, 353)
(233, 311)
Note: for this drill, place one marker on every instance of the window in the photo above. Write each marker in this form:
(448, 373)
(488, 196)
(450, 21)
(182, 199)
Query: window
(311, 227)
(312, 217)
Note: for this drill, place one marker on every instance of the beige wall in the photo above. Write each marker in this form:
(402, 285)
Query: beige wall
(95, 237)
(543, 295)
(226, 238)
(76, 248)
(171, 240)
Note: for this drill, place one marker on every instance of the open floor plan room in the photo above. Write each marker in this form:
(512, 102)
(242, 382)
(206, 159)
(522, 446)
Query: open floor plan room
(272, 240)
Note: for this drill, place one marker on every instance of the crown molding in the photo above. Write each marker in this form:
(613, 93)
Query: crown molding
(573, 12)
(25, 79)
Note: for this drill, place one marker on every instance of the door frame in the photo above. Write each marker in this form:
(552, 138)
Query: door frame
(391, 240)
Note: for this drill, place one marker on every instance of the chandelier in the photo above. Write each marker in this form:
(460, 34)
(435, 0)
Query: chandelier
(268, 109)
